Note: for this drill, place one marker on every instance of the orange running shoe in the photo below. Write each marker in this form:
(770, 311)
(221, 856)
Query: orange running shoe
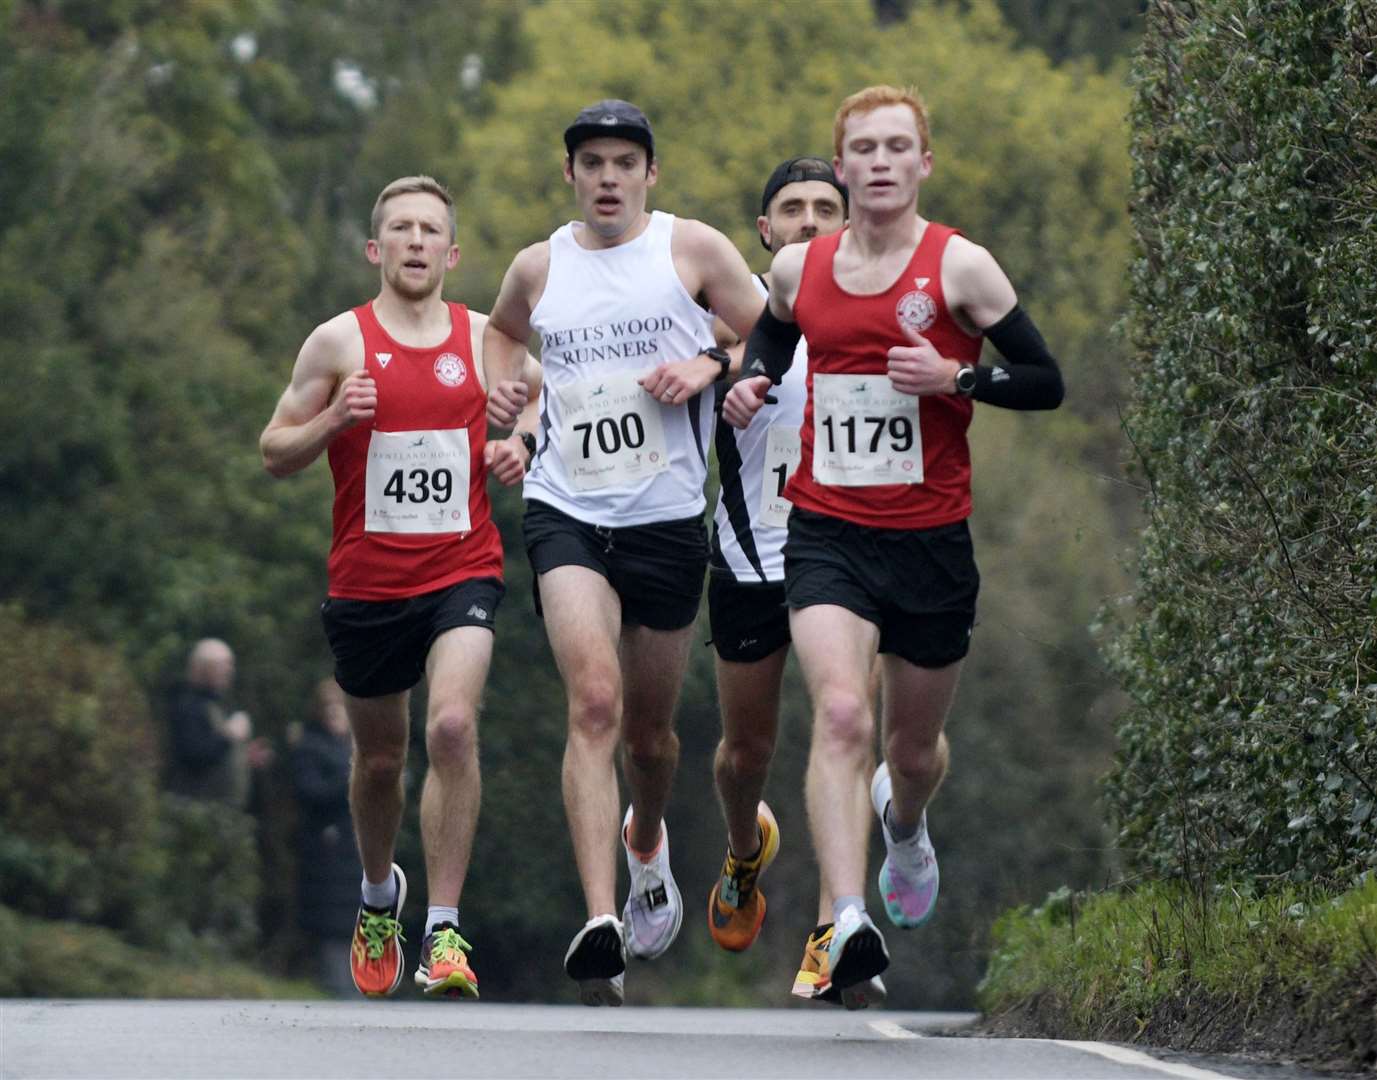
(444, 970)
(736, 907)
(375, 958)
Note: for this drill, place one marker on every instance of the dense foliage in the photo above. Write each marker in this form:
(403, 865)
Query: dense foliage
(85, 834)
(186, 191)
(1251, 657)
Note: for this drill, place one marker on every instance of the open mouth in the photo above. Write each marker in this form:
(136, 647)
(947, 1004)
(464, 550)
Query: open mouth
(607, 204)
(414, 264)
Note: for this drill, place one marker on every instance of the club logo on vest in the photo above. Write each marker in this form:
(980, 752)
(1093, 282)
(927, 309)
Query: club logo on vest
(917, 310)
(383, 359)
(450, 370)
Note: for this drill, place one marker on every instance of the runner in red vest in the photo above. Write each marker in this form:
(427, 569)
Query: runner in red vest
(394, 391)
(878, 556)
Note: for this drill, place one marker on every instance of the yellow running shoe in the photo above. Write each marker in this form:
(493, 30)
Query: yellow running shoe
(375, 957)
(444, 970)
(812, 971)
(736, 907)
(814, 983)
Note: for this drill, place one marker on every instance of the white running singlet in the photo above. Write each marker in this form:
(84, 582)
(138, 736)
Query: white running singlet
(609, 453)
(753, 463)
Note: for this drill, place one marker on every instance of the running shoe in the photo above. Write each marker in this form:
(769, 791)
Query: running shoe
(908, 876)
(856, 952)
(736, 907)
(813, 983)
(654, 909)
(444, 970)
(375, 958)
(812, 971)
(596, 960)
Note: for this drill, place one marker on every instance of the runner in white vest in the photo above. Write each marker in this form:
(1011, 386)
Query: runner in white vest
(614, 518)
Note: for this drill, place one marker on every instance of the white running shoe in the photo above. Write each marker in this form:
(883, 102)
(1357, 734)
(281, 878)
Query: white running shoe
(856, 954)
(596, 960)
(654, 909)
(908, 878)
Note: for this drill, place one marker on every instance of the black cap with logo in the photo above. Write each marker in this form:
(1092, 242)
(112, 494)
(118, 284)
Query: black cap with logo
(612, 118)
(796, 170)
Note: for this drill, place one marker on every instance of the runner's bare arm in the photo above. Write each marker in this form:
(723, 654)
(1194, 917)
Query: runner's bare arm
(712, 269)
(530, 366)
(329, 392)
(507, 459)
(507, 331)
(978, 291)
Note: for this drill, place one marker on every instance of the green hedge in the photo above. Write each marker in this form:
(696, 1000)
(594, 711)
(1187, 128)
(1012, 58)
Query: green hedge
(1250, 656)
(65, 960)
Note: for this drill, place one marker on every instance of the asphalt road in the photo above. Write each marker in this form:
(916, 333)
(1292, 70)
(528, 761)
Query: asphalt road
(203, 1039)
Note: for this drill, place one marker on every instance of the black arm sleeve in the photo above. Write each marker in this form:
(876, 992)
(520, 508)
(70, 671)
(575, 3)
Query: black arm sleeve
(1030, 379)
(770, 348)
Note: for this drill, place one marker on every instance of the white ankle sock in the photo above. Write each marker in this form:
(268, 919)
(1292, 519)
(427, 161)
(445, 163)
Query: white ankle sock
(437, 915)
(382, 895)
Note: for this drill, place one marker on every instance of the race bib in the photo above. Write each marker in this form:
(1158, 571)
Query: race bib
(613, 433)
(781, 459)
(864, 432)
(417, 482)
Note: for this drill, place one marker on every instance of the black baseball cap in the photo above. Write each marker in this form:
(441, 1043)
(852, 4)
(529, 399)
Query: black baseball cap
(611, 118)
(796, 170)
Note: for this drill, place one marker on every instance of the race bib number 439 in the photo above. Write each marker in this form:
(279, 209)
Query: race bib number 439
(417, 482)
(864, 432)
(612, 434)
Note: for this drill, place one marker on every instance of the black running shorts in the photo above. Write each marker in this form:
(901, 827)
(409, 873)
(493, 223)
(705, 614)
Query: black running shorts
(749, 622)
(380, 646)
(656, 570)
(918, 586)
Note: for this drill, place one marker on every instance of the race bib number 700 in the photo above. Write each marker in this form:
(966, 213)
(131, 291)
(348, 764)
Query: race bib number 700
(864, 432)
(612, 434)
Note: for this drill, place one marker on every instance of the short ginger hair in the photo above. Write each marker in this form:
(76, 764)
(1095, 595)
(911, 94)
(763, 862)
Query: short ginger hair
(875, 97)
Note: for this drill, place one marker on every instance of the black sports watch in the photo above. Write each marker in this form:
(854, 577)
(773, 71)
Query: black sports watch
(965, 380)
(722, 357)
(529, 442)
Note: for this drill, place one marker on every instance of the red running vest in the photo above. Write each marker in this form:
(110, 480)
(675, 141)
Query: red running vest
(852, 335)
(418, 390)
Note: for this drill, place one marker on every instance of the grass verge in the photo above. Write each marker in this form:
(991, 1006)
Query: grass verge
(1290, 974)
(62, 959)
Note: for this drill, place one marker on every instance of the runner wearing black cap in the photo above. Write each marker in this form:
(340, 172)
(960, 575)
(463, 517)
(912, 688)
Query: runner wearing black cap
(614, 518)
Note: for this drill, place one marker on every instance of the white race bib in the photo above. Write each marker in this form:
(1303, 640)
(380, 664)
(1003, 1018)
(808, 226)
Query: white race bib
(781, 459)
(613, 433)
(417, 482)
(864, 432)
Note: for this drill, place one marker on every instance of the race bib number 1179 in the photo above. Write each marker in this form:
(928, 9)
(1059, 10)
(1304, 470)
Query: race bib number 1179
(864, 432)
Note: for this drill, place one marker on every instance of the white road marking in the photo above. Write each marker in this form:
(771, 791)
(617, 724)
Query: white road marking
(1124, 1056)
(890, 1030)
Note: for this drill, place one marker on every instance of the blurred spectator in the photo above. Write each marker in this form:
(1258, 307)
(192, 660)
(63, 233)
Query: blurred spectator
(213, 752)
(328, 867)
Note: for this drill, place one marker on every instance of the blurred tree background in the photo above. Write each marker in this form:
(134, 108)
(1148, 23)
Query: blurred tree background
(186, 190)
